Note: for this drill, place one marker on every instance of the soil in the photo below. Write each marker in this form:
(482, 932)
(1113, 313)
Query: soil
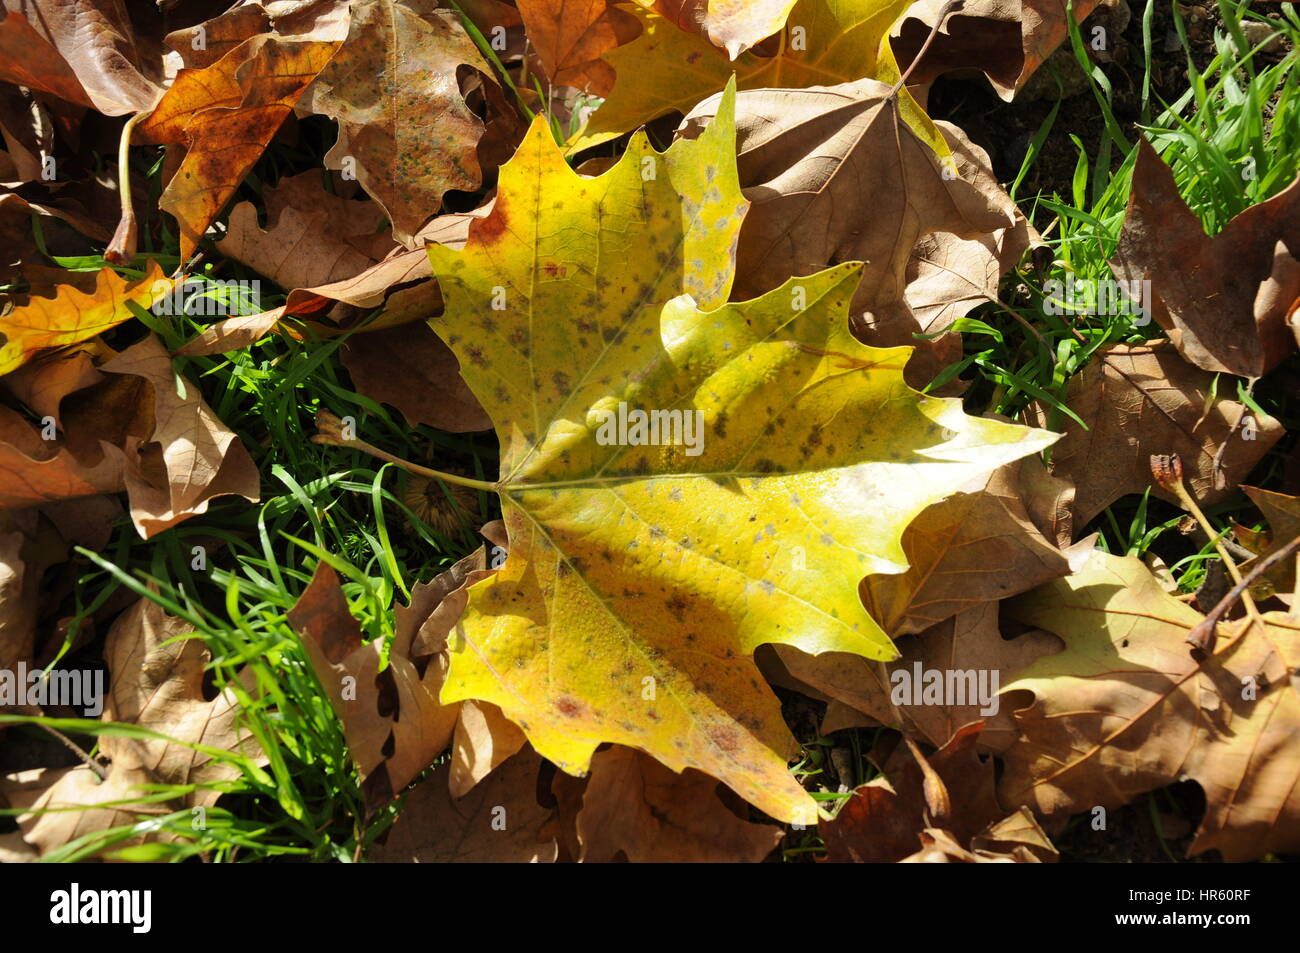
(1005, 130)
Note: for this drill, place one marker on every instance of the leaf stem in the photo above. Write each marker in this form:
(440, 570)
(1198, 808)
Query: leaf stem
(1168, 471)
(331, 434)
(122, 248)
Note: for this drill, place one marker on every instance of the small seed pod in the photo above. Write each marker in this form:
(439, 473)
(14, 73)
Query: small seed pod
(447, 507)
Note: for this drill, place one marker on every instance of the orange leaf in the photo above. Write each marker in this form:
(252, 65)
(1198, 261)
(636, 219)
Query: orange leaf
(73, 316)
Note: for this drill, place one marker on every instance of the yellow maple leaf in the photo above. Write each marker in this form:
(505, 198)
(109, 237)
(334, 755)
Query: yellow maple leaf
(787, 461)
(824, 42)
(73, 316)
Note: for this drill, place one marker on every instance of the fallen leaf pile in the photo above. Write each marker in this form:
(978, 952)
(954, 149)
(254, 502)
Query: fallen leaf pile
(799, 525)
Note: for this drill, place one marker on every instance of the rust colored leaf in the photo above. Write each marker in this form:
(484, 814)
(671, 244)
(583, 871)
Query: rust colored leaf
(570, 36)
(225, 114)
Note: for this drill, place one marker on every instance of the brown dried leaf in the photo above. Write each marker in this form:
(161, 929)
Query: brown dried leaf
(188, 458)
(1016, 839)
(416, 296)
(952, 790)
(393, 721)
(977, 546)
(969, 642)
(1125, 709)
(28, 546)
(82, 51)
(1224, 299)
(939, 237)
(156, 683)
(1007, 40)
(411, 368)
(500, 821)
(33, 470)
(410, 134)
(636, 807)
(313, 237)
(1143, 399)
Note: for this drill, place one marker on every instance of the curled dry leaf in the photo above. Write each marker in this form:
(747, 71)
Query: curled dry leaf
(1224, 300)
(1143, 399)
(187, 457)
(156, 682)
(1125, 709)
(671, 70)
(1016, 839)
(392, 721)
(82, 51)
(641, 578)
(131, 424)
(406, 150)
(1007, 40)
(402, 283)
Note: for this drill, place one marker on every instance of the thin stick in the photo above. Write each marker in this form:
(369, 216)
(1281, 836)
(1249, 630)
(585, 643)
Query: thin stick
(76, 749)
(1168, 471)
(1204, 635)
